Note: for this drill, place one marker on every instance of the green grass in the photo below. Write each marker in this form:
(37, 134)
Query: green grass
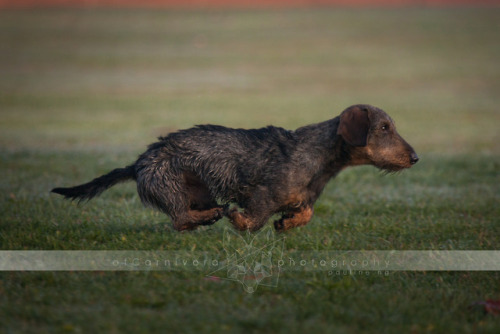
(82, 92)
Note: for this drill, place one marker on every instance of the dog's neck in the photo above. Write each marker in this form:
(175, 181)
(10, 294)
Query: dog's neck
(321, 140)
(323, 152)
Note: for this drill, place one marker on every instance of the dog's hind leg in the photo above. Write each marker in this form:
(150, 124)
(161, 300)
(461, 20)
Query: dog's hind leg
(257, 210)
(247, 220)
(191, 219)
(199, 208)
(255, 214)
(181, 195)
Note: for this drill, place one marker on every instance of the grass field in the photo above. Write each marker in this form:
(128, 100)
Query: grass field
(82, 92)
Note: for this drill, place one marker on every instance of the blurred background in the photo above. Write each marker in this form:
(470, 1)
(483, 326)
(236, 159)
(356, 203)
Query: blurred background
(89, 75)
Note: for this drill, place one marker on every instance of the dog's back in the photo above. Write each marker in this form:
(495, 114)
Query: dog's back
(226, 160)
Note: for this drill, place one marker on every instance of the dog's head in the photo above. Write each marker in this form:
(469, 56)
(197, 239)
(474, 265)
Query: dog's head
(374, 139)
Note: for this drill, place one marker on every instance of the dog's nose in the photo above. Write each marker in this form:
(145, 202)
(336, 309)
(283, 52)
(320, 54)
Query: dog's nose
(413, 158)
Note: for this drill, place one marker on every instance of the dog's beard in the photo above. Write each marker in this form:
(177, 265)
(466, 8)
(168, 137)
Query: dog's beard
(391, 169)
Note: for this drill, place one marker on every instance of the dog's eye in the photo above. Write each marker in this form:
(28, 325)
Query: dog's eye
(384, 128)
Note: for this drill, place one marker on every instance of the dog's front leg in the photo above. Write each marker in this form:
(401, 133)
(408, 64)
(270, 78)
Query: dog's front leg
(294, 218)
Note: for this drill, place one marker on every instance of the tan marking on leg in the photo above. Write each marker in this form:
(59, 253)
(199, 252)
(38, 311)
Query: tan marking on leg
(195, 218)
(295, 219)
(240, 221)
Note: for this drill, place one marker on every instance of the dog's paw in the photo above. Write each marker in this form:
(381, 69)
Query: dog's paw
(219, 213)
(279, 225)
(231, 212)
(225, 209)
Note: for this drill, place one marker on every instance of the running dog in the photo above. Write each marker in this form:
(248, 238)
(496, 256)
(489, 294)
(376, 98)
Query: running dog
(194, 175)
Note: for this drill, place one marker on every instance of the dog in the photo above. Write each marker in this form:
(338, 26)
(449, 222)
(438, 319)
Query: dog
(194, 175)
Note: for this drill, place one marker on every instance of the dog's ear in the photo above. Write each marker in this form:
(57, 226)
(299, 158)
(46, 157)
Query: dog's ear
(354, 125)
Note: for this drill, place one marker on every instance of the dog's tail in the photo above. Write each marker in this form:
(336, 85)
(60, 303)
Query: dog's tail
(95, 187)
